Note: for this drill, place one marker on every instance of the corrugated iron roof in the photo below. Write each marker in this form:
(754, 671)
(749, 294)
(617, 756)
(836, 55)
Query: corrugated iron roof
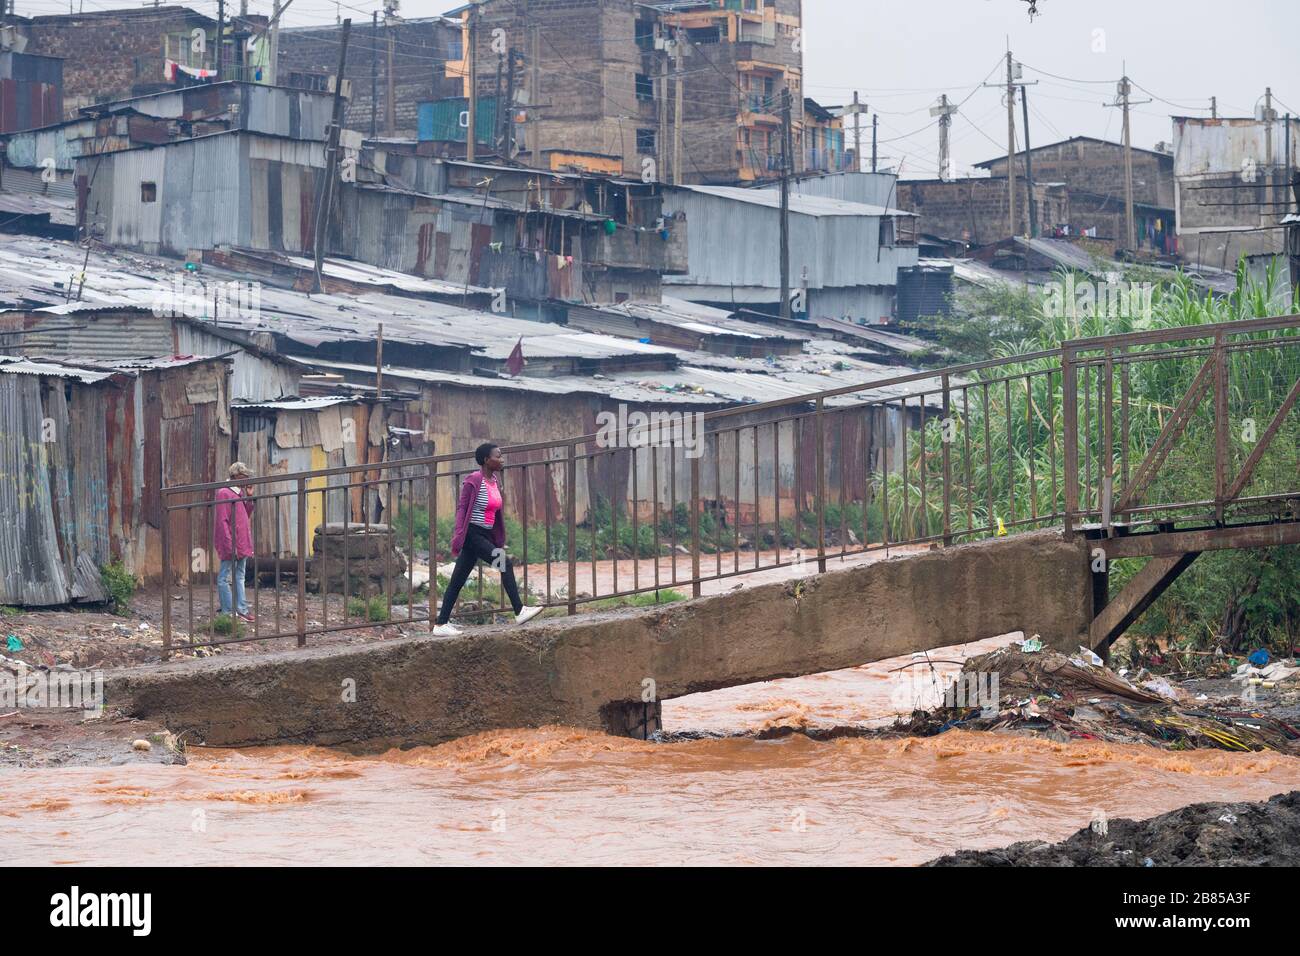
(803, 205)
(17, 365)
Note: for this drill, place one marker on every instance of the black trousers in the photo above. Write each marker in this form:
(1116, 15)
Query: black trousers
(478, 547)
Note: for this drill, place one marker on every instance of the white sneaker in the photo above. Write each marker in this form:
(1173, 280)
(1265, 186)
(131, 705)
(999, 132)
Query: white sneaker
(447, 630)
(527, 614)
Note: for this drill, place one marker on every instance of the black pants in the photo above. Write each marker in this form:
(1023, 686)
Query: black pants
(478, 547)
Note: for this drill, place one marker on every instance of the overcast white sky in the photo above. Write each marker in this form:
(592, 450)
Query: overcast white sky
(902, 54)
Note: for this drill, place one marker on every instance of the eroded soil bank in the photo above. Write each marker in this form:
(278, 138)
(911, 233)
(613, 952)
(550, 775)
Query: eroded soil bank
(1204, 834)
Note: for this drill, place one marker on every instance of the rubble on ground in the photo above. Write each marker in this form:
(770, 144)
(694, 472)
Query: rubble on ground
(1065, 697)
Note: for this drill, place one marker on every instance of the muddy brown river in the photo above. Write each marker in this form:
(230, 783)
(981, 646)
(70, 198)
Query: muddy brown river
(562, 796)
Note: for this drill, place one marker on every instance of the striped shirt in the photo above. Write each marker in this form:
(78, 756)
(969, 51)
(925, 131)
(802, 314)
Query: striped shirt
(485, 510)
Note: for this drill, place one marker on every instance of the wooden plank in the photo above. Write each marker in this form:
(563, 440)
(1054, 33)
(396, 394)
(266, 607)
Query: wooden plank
(1142, 589)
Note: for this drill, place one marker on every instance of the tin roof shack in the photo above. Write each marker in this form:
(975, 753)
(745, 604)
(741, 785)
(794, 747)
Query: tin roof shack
(1232, 187)
(82, 451)
(539, 235)
(224, 189)
(688, 325)
(311, 434)
(844, 256)
(31, 90)
(44, 161)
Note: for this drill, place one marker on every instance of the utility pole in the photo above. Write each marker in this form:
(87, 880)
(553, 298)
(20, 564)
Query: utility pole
(875, 121)
(944, 111)
(1013, 81)
(1269, 192)
(1029, 168)
(496, 120)
(471, 134)
(374, 74)
(857, 109)
(509, 149)
(1125, 101)
(785, 202)
(677, 107)
(329, 174)
(390, 98)
(221, 33)
(1214, 107)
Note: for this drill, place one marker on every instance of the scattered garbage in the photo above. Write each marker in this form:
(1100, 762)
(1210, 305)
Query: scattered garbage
(13, 643)
(1259, 658)
(1032, 645)
(1228, 818)
(1090, 657)
(1048, 694)
(141, 744)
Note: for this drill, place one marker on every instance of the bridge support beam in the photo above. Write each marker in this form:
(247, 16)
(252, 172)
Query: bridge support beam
(1120, 612)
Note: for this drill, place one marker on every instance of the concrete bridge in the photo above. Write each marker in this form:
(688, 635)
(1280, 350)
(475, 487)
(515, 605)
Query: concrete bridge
(1025, 477)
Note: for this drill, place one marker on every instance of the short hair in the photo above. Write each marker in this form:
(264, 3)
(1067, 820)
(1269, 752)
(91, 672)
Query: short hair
(482, 452)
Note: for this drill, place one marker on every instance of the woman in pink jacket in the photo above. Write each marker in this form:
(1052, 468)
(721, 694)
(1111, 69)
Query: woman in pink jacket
(232, 538)
(480, 535)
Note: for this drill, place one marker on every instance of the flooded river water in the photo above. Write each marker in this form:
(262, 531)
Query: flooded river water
(557, 795)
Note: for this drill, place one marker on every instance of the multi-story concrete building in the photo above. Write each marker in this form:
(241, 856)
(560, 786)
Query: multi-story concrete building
(973, 211)
(601, 77)
(1232, 179)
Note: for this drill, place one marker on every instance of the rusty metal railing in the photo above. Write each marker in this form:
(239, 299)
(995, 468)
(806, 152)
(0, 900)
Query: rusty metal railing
(1061, 437)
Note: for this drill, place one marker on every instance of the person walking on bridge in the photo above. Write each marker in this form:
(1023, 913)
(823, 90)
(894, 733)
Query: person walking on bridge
(480, 535)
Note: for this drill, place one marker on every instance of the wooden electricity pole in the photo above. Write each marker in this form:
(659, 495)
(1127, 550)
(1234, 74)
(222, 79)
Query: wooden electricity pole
(325, 195)
(677, 107)
(786, 140)
(471, 134)
(1013, 81)
(1125, 101)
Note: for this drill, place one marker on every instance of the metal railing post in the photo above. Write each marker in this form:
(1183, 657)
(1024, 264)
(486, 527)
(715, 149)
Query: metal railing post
(433, 542)
(571, 477)
(1070, 412)
(167, 577)
(302, 562)
(821, 486)
(1220, 427)
(948, 427)
(695, 526)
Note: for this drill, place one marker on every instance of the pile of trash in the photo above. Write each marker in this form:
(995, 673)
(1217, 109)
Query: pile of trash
(1077, 697)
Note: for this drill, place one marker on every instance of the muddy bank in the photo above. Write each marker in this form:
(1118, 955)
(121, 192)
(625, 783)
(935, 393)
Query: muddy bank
(64, 738)
(1203, 834)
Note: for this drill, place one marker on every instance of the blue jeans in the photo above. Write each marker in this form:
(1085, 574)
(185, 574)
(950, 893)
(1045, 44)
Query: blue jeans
(223, 585)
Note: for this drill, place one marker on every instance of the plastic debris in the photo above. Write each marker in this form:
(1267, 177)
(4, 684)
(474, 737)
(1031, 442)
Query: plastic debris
(1032, 646)
(1259, 658)
(141, 744)
(1228, 818)
(13, 644)
(1090, 657)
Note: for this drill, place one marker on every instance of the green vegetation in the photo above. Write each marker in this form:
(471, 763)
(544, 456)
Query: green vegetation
(227, 625)
(649, 599)
(119, 584)
(1235, 599)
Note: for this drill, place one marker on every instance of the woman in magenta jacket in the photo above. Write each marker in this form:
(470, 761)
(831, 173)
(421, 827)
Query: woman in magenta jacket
(480, 535)
(232, 539)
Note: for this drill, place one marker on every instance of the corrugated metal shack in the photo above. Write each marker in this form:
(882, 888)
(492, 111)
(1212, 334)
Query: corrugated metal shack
(82, 451)
(688, 325)
(310, 434)
(31, 90)
(846, 255)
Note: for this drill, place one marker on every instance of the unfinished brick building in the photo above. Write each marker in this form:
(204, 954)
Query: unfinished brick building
(974, 211)
(116, 54)
(1093, 169)
(598, 77)
(420, 50)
